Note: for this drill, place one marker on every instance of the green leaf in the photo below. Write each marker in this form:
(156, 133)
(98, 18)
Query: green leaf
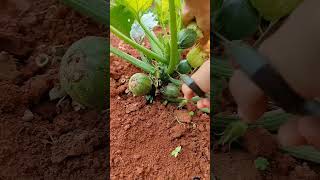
(261, 163)
(121, 18)
(176, 151)
(237, 19)
(205, 110)
(138, 6)
(273, 10)
(233, 131)
(162, 10)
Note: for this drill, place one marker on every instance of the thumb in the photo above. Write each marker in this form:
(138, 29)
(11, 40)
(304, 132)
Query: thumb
(251, 101)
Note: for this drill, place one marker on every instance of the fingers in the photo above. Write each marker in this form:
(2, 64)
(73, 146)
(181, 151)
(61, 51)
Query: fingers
(187, 16)
(202, 76)
(187, 92)
(300, 131)
(288, 134)
(203, 103)
(309, 128)
(252, 102)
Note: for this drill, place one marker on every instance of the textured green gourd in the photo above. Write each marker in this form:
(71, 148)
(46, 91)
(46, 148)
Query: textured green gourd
(140, 84)
(237, 19)
(170, 91)
(83, 72)
(186, 38)
(196, 57)
(184, 67)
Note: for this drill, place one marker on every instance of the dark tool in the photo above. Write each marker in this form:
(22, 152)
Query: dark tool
(192, 85)
(256, 66)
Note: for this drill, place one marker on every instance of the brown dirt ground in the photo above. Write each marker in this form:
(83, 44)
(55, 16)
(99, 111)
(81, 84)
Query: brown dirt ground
(142, 135)
(57, 142)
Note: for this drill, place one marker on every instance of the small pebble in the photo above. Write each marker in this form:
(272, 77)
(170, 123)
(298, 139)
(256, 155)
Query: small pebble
(28, 115)
(126, 127)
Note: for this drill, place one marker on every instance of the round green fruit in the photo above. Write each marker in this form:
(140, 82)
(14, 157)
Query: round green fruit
(140, 84)
(186, 38)
(237, 19)
(170, 91)
(184, 67)
(83, 72)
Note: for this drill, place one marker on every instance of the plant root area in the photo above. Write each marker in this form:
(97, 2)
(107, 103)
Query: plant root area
(142, 136)
(40, 138)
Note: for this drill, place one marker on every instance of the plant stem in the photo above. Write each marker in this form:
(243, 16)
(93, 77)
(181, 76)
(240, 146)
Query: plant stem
(137, 46)
(264, 34)
(224, 39)
(151, 35)
(143, 65)
(174, 38)
(175, 81)
(95, 9)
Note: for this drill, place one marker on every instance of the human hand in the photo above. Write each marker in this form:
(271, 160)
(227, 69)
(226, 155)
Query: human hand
(202, 78)
(200, 11)
(294, 53)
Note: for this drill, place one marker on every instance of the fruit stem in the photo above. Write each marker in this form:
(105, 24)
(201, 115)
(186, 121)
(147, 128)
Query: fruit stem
(137, 46)
(141, 64)
(265, 33)
(174, 38)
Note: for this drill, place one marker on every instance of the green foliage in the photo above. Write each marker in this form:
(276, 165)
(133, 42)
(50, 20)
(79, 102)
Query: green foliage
(162, 10)
(261, 163)
(124, 22)
(273, 10)
(137, 7)
(308, 153)
(176, 151)
(233, 131)
(237, 19)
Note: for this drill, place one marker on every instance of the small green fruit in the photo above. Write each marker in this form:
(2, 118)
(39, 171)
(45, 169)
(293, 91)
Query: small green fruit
(170, 91)
(83, 72)
(184, 67)
(186, 38)
(140, 84)
(195, 27)
(196, 57)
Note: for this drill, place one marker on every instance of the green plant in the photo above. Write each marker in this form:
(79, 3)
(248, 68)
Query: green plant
(308, 153)
(176, 151)
(162, 61)
(232, 132)
(261, 163)
(133, 22)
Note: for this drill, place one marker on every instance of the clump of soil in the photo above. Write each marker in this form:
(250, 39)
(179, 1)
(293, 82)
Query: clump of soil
(142, 136)
(43, 139)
